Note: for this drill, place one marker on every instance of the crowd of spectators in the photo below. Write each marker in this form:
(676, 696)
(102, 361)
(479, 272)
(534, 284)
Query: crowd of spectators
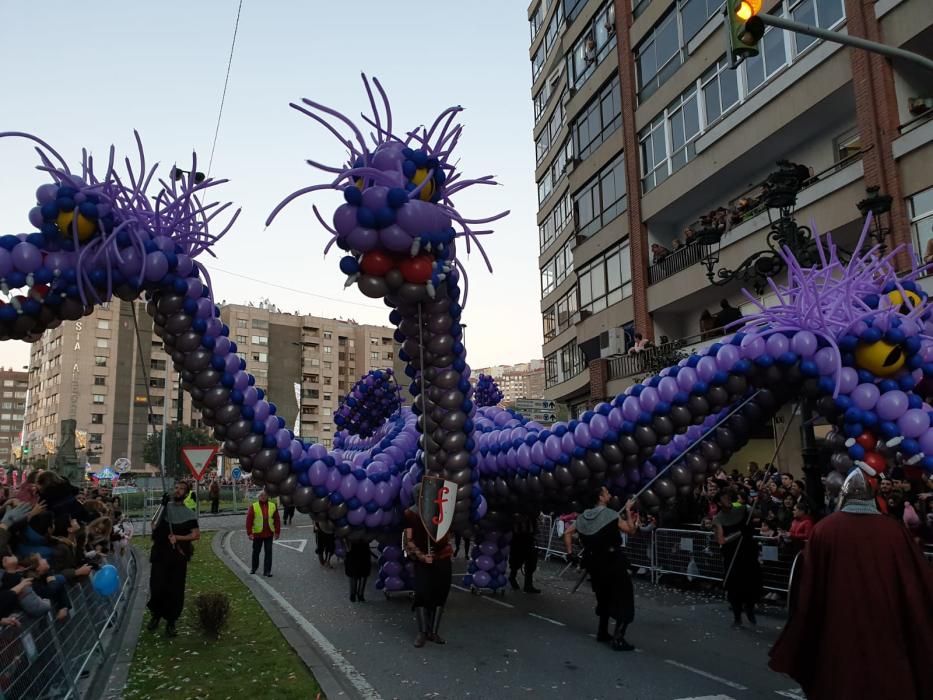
(52, 536)
(781, 509)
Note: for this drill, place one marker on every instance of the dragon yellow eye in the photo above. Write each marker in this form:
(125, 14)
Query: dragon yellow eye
(904, 302)
(880, 358)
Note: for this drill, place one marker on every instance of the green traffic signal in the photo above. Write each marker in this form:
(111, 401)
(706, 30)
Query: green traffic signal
(744, 28)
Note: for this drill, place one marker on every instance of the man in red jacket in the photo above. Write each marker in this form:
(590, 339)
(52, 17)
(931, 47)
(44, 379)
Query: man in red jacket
(262, 525)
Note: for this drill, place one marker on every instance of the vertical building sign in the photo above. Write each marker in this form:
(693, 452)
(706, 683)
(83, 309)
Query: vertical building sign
(298, 412)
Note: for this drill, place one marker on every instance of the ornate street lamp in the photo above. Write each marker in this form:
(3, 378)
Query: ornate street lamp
(779, 194)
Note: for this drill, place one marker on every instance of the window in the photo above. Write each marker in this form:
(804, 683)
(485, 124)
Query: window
(602, 199)
(606, 280)
(550, 36)
(156, 383)
(98, 398)
(389, 356)
(103, 324)
(328, 397)
(551, 227)
(328, 335)
(102, 343)
(560, 316)
(327, 365)
(572, 8)
(260, 357)
(95, 438)
(100, 381)
(771, 57)
(327, 442)
(537, 63)
(242, 323)
(658, 56)
(921, 217)
(847, 144)
(326, 410)
(680, 123)
(100, 360)
(158, 365)
(592, 47)
(536, 19)
(259, 323)
(260, 340)
(328, 350)
(557, 268)
(564, 364)
(374, 356)
(97, 418)
(819, 13)
(242, 339)
(598, 120)
(694, 14)
(720, 90)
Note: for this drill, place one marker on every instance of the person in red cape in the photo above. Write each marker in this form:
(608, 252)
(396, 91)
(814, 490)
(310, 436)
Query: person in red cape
(860, 614)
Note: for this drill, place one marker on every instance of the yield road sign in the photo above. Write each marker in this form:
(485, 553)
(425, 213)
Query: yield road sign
(297, 545)
(198, 459)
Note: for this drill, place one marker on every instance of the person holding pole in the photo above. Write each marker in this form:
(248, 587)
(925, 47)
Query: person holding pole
(172, 538)
(604, 559)
(736, 537)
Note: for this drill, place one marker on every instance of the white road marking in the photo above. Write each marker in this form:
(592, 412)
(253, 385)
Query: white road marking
(486, 598)
(301, 526)
(297, 545)
(795, 693)
(337, 660)
(547, 619)
(709, 697)
(700, 672)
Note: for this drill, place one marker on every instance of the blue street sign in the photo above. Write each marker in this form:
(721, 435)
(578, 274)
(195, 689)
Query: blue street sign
(236, 473)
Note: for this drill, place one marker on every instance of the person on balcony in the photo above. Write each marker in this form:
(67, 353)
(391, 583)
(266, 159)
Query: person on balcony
(727, 316)
(639, 346)
(676, 245)
(658, 253)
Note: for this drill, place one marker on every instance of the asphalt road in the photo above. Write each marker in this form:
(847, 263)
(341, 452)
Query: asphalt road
(521, 645)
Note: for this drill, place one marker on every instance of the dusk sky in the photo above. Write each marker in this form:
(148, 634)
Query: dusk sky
(85, 75)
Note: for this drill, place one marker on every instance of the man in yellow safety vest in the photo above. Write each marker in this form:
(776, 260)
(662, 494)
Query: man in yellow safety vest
(262, 526)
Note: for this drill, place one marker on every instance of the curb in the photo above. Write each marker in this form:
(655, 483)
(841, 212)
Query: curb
(335, 682)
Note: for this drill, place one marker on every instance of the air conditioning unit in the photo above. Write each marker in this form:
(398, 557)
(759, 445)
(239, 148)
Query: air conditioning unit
(555, 76)
(612, 343)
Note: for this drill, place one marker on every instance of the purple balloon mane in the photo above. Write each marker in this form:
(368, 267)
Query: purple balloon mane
(486, 392)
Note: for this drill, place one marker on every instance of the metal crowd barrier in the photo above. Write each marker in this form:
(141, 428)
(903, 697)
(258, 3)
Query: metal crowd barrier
(45, 659)
(693, 554)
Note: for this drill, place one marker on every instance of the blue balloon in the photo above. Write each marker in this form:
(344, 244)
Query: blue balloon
(107, 580)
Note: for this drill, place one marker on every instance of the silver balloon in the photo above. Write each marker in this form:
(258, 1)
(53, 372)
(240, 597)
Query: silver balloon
(454, 420)
(272, 490)
(338, 511)
(188, 341)
(440, 323)
(303, 497)
(178, 323)
(710, 450)
(320, 505)
(227, 413)
(277, 472)
(412, 292)
(680, 475)
(240, 429)
(451, 399)
(207, 379)
(198, 360)
(230, 448)
(695, 463)
(441, 344)
(373, 287)
(168, 304)
(265, 458)
(216, 397)
(649, 499)
(664, 488)
(251, 444)
(454, 441)
(441, 360)
(458, 460)
(394, 279)
(595, 461)
(289, 484)
(448, 379)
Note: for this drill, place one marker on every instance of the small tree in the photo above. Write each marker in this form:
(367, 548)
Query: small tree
(176, 437)
(656, 359)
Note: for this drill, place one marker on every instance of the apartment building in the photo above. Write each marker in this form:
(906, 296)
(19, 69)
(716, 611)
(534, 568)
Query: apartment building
(521, 381)
(111, 376)
(107, 372)
(641, 129)
(13, 386)
(327, 356)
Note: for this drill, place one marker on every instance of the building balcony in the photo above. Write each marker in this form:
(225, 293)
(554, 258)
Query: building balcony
(575, 386)
(677, 261)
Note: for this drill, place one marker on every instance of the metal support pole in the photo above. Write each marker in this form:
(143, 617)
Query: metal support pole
(845, 39)
(812, 469)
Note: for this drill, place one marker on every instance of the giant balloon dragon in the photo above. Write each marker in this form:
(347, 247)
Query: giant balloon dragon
(852, 336)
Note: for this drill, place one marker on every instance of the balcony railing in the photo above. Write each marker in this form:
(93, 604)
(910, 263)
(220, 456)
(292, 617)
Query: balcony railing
(676, 261)
(653, 359)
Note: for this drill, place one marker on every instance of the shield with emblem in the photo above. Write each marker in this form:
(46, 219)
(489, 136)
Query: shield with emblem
(436, 505)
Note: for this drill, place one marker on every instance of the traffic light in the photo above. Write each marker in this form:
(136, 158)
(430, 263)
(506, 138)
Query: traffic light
(744, 28)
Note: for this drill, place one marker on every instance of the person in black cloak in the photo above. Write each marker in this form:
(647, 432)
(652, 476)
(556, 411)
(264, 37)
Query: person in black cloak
(604, 559)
